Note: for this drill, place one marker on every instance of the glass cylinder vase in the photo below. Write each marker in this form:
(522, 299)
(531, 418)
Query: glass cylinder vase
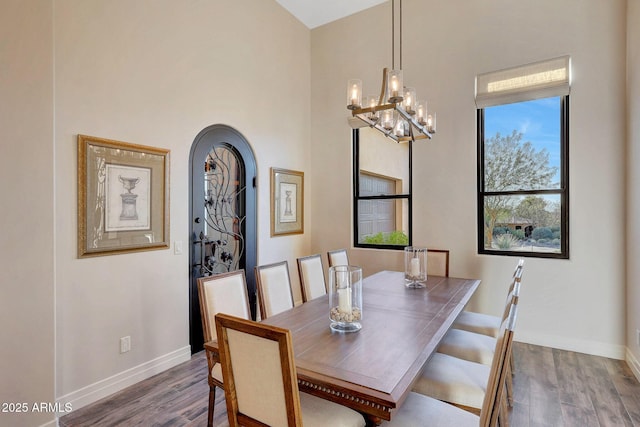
(415, 266)
(345, 298)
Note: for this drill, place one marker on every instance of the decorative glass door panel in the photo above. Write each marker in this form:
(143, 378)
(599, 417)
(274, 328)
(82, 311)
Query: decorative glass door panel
(222, 240)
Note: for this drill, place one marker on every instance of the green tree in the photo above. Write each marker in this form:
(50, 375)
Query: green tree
(511, 164)
(535, 209)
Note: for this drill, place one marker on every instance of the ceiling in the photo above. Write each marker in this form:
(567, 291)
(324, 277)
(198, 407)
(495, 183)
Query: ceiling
(314, 13)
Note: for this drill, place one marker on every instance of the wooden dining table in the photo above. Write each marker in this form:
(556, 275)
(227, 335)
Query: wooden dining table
(374, 369)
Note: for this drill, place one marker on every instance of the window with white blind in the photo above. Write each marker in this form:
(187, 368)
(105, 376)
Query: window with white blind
(523, 148)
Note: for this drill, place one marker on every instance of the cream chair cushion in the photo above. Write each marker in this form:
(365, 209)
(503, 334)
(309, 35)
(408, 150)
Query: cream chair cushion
(277, 289)
(312, 277)
(226, 294)
(419, 411)
(479, 323)
(259, 386)
(468, 346)
(317, 412)
(338, 258)
(216, 371)
(454, 380)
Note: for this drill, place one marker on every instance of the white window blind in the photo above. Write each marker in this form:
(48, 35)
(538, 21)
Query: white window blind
(532, 81)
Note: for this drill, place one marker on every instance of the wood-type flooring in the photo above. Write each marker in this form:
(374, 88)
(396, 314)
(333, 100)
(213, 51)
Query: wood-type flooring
(552, 388)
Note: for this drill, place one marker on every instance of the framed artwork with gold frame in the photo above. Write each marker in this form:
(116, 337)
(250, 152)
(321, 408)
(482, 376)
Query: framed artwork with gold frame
(287, 202)
(123, 197)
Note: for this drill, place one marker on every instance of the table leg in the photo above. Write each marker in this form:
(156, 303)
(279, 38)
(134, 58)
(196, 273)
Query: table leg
(372, 420)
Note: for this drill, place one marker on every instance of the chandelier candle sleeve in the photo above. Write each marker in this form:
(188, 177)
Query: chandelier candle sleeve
(354, 94)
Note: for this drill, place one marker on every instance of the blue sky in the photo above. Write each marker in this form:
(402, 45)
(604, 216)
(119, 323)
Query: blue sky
(538, 120)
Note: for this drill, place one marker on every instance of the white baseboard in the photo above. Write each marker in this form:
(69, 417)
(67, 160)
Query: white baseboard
(634, 364)
(108, 386)
(594, 348)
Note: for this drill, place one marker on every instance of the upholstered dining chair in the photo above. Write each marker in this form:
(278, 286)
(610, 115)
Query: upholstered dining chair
(261, 384)
(419, 409)
(221, 293)
(487, 324)
(312, 278)
(438, 262)
(477, 347)
(274, 288)
(338, 257)
(466, 384)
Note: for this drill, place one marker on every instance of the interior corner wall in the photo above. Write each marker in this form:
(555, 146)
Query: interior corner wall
(157, 72)
(576, 304)
(27, 218)
(633, 185)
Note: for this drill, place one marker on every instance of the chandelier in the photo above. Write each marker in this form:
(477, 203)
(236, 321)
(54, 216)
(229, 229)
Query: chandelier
(396, 112)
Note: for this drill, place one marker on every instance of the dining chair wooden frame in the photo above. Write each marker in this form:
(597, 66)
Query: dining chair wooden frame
(281, 337)
(465, 384)
(312, 279)
(273, 284)
(338, 257)
(441, 262)
(419, 409)
(261, 390)
(224, 292)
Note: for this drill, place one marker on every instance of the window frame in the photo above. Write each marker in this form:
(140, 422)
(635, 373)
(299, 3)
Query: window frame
(562, 191)
(355, 136)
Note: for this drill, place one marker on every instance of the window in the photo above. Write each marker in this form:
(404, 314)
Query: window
(382, 191)
(523, 141)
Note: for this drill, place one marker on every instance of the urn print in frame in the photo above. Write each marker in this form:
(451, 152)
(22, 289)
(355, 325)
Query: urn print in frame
(287, 202)
(123, 197)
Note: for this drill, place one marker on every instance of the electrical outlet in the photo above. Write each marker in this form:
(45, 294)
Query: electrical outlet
(125, 344)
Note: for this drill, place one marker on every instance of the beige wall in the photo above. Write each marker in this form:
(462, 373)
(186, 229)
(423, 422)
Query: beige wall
(27, 217)
(577, 304)
(633, 183)
(156, 73)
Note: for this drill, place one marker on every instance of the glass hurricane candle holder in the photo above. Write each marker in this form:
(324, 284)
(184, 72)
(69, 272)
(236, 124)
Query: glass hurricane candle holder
(345, 298)
(415, 266)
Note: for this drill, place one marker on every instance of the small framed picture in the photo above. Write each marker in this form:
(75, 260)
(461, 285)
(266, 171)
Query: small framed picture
(287, 202)
(123, 197)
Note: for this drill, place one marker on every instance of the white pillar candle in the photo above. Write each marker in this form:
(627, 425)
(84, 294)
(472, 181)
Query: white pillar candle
(344, 300)
(415, 267)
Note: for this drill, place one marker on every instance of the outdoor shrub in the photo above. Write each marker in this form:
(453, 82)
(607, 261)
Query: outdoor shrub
(542, 233)
(500, 230)
(518, 233)
(393, 238)
(506, 241)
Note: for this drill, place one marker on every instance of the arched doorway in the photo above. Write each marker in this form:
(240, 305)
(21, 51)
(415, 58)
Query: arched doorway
(223, 214)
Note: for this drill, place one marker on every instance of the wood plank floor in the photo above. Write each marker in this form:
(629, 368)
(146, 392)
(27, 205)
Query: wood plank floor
(552, 388)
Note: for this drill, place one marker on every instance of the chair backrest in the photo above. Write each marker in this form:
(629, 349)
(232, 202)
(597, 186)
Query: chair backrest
(222, 293)
(258, 367)
(274, 288)
(338, 257)
(438, 262)
(312, 280)
(498, 374)
(514, 289)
